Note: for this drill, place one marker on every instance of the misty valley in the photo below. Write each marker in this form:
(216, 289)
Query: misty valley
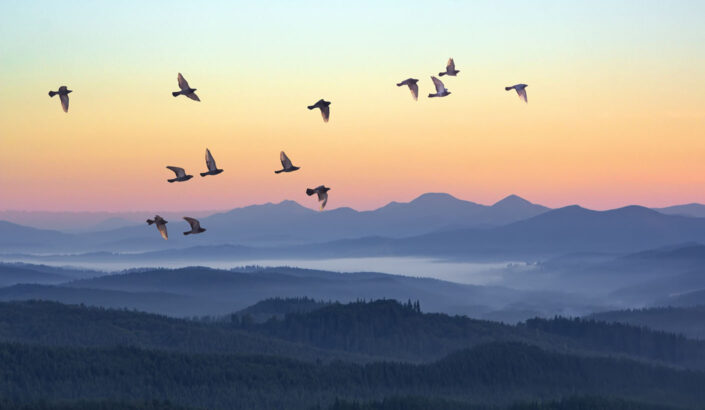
(437, 303)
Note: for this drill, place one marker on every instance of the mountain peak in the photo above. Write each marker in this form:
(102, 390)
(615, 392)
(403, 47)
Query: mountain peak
(512, 200)
(435, 196)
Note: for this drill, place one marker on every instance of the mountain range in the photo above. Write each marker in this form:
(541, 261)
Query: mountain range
(435, 225)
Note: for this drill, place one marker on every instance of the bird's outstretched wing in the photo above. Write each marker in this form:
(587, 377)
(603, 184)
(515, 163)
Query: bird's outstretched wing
(438, 84)
(178, 171)
(183, 84)
(65, 101)
(451, 65)
(325, 112)
(414, 88)
(193, 96)
(162, 230)
(522, 94)
(210, 162)
(286, 162)
(195, 225)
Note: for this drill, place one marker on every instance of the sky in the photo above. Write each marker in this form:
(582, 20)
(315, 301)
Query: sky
(616, 111)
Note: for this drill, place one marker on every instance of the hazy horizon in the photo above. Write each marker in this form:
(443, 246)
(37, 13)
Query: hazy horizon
(313, 206)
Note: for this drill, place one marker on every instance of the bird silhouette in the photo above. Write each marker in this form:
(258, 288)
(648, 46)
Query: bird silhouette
(286, 164)
(413, 87)
(195, 226)
(180, 175)
(322, 192)
(521, 91)
(210, 163)
(161, 225)
(185, 89)
(441, 90)
(450, 69)
(63, 96)
(324, 106)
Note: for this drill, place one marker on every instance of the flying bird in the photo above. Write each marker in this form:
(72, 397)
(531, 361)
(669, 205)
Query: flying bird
(441, 90)
(450, 69)
(322, 192)
(521, 91)
(324, 106)
(195, 226)
(286, 164)
(63, 96)
(210, 163)
(180, 175)
(185, 89)
(413, 87)
(161, 225)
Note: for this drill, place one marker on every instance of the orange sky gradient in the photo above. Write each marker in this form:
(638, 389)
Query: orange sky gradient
(614, 118)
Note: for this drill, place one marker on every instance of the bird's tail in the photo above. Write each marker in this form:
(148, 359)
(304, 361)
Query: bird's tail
(187, 233)
(399, 84)
(432, 95)
(310, 107)
(52, 93)
(441, 74)
(176, 93)
(171, 180)
(204, 174)
(279, 172)
(310, 191)
(507, 88)
(150, 221)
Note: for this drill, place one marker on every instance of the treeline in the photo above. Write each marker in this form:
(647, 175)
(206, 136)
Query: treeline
(384, 328)
(358, 332)
(498, 373)
(276, 308)
(689, 321)
(56, 324)
(401, 331)
(626, 339)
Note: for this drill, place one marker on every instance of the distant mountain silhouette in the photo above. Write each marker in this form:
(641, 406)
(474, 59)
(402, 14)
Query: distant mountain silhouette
(17, 237)
(288, 223)
(14, 274)
(436, 225)
(694, 210)
(564, 230)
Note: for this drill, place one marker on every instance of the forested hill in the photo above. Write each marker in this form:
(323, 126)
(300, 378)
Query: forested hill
(357, 332)
(497, 373)
(56, 324)
(402, 332)
(278, 308)
(688, 321)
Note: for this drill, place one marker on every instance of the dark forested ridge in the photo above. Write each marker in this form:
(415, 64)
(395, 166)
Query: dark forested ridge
(278, 308)
(688, 321)
(361, 352)
(358, 332)
(402, 332)
(498, 373)
(625, 339)
(56, 324)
